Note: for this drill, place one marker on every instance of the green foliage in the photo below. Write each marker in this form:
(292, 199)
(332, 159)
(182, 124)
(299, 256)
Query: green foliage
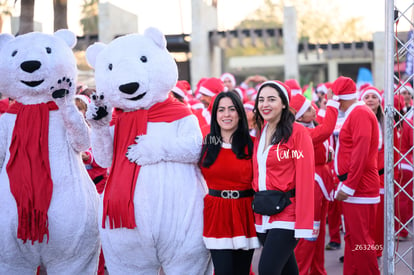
(317, 21)
(89, 20)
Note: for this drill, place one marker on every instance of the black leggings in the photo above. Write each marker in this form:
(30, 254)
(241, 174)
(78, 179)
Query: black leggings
(277, 256)
(231, 262)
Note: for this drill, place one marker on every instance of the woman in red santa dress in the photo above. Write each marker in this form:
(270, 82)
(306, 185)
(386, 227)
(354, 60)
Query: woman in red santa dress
(283, 160)
(310, 251)
(226, 164)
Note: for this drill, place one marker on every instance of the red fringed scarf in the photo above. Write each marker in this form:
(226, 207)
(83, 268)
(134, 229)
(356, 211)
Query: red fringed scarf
(119, 190)
(29, 169)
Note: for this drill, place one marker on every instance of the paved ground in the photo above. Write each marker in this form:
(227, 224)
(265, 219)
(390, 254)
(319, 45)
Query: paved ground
(334, 267)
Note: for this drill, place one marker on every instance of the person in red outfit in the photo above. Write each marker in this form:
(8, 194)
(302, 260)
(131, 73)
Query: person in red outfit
(372, 98)
(356, 157)
(226, 164)
(283, 160)
(310, 252)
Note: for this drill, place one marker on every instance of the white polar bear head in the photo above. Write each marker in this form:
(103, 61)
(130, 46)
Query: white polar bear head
(133, 71)
(35, 65)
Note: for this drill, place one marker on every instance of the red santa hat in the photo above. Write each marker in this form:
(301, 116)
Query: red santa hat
(370, 90)
(300, 104)
(406, 87)
(229, 76)
(344, 88)
(249, 105)
(182, 88)
(323, 87)
(211, 86)
(294, 86)
(282, 86)
(240, 92)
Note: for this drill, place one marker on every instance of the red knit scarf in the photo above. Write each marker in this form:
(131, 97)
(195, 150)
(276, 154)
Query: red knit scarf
(119, 190)
(29, 169)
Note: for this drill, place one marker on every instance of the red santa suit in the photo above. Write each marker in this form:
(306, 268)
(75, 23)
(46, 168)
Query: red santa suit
(285, 167)
(229, 223)
(356, 166)
(310, 252)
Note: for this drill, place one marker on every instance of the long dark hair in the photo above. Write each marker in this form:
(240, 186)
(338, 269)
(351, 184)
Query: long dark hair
(284, 128)
(240, 140)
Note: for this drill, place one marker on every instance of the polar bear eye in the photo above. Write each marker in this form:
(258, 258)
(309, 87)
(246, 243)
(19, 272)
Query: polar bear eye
(14, 53)
(48, 50)
(110, 67)
(143, 59)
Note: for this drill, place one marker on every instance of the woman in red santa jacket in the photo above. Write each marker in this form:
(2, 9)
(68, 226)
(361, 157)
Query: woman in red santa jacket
(372, 98)
(310, 252)
(226, 164)
(283, 160)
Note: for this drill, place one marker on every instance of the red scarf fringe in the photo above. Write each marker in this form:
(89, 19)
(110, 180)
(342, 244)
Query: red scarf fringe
(29, 169)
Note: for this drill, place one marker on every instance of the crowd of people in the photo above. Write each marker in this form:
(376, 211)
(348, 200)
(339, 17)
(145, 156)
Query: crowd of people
(280, 166)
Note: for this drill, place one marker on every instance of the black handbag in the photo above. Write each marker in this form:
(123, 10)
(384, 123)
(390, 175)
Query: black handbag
(271, 202)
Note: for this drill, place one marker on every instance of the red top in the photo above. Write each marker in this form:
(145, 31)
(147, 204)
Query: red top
(229, 223)
(357, 155)
(284, 167)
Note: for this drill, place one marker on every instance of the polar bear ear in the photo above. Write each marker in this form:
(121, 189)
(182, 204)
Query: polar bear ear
(157, 36)
(67, 36)
(4, 38)
(92, 52)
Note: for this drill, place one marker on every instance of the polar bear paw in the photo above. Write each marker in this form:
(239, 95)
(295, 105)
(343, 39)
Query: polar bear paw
(63, 91)
(145, 151)
(98, 111)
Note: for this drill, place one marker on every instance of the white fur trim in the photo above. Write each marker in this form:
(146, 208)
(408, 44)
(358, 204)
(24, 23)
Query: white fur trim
(363, 200)
(295, 91)
(206, 91)
(178, 91)
(405, 166)
(371, 91)
(333, 103)
(275, 224)
(303, 233)
(322, 89)
(321, 184)
(303, 109)
(347, 190)
(278, 85)
(240, 242)
(321, 112)
(348, 96)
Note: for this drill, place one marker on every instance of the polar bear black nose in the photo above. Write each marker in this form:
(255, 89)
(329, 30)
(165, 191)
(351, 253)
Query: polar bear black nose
(129, 88)
(30, 66)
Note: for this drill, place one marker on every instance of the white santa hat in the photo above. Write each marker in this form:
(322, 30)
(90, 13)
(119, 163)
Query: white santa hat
(300, 104)
(370, 90)
(344, 88)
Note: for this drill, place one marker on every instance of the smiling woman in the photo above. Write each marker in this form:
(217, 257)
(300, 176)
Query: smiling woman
(226, 165)
(283, 161)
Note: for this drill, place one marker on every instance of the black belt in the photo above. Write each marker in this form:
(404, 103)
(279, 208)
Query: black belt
(342, 177)
(98, 179)
(381, 171)
(231, 194)
(291, 193)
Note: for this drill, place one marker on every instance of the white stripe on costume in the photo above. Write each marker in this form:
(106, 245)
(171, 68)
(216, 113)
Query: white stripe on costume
(241, 242)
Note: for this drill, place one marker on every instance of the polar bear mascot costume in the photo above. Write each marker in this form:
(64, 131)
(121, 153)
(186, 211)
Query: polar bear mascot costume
(153, 200)
(48, 203)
